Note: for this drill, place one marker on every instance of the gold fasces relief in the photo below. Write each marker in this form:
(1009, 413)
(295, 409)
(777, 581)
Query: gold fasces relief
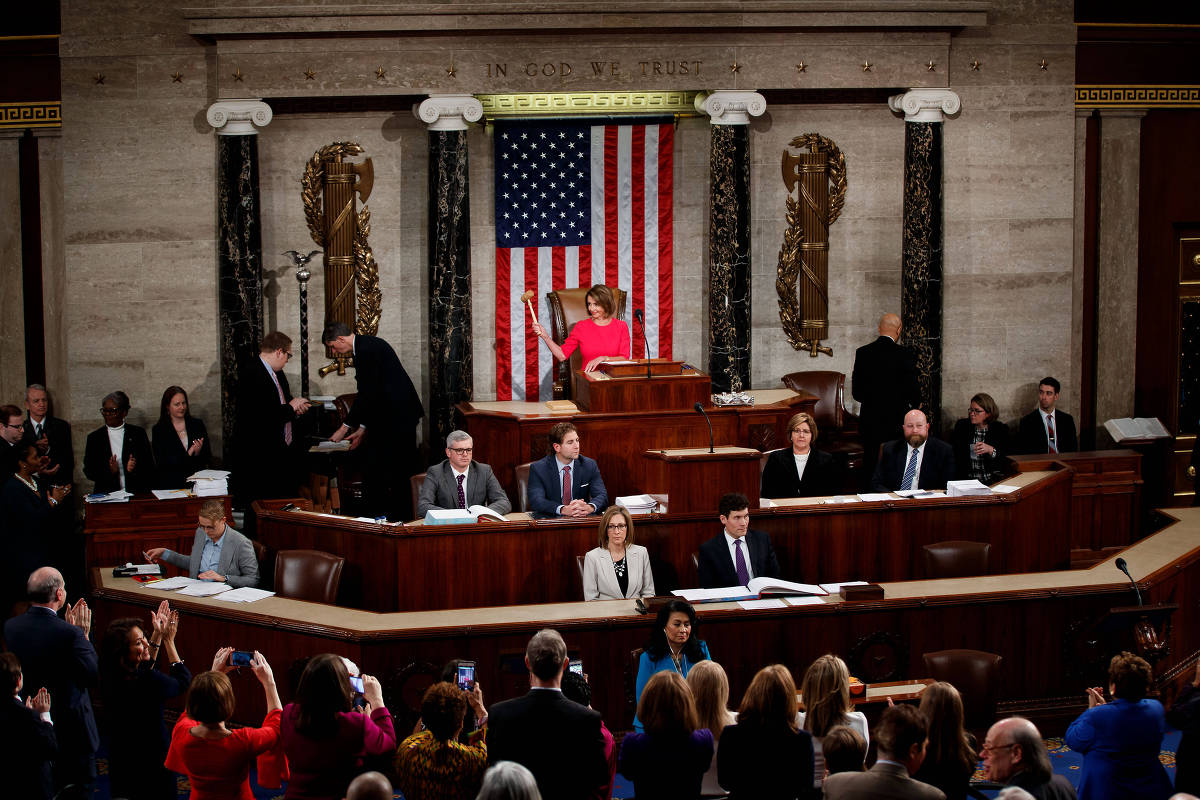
(802, 277)
(352, 293)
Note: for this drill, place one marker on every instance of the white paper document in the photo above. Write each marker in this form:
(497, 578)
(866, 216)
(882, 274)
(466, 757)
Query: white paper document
(804, 601)
(844, 499)
(204, 589)
(171, 584)
(753, 605)
(210, 475)
(915, 493)
(874, 497)
(244, 594)
(119, 496)
(1004, 488)
(170, 494)
(722, 593)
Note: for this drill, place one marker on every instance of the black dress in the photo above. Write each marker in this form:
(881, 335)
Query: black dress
(138, 738)
(171, 457)
(765, 763)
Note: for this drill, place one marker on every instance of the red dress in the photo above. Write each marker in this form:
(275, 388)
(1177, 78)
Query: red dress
(219, 769)
(597, 340)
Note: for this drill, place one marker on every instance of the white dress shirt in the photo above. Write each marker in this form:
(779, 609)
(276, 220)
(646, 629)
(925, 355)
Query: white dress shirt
(116, 442)
(801, 463)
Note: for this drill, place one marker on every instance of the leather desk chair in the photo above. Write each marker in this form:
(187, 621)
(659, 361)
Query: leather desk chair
(567, 307)
(415, 483)
(976, 676)
(522, 473)
(839, 428)
(308, 575)
(956, 559)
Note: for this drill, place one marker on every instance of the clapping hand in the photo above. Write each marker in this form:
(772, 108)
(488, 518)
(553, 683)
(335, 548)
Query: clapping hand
(114, 466)
(1095, 696)
(80, 616)
(131, 464)
(161, 617)
(59, 492)
(195, 447)
(40, 702)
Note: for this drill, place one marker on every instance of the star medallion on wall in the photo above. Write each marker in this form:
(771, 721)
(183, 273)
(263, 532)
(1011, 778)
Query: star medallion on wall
(309, 74)
(735, 67)
(450, 71)
(867, 65)
(380, 73)
(975, 65)
(930, 66)
(176, 77)
(1044, 65)
(801, 67)
(98, 78)
(237, 75)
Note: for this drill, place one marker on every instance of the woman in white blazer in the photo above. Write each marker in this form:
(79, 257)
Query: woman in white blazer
(618, 568)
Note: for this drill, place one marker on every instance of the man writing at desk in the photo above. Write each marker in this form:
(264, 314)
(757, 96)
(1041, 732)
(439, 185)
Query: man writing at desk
(564, 483)
(459, 482)
(219, 553)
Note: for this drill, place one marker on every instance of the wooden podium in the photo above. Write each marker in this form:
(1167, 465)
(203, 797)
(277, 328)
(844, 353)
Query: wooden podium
(694, 479)
(641, 385)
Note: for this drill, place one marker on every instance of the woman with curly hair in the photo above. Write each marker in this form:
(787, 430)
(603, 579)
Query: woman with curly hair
(433, 764)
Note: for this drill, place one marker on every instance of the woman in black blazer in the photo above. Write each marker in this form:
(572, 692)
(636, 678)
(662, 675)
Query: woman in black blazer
(980, 441)
(781, 476)
(180, 440)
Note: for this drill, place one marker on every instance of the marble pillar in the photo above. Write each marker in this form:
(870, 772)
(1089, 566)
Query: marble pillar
(450, 363)
(12, 312)
(239, 242)
(729, 235)
(922, 256)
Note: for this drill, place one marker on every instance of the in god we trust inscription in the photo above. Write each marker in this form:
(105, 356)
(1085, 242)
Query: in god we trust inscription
(651, 68)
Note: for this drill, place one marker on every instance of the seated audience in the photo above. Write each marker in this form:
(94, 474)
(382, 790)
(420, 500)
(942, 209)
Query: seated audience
(219, 553)
(825, 692)
(1014, 754)
(1120, 740)
(565, 483)
(30, 528)
(950, 754)
(668, 760)
(557, 740)
(710, 690)
(914, 462)
(324, 738)
(370, 786)
(844, 750)
(800, 470)
(765, 756)
(1184, 716)
(900, 736)
(134, 692)
(116, 455)
(460, 481)
(215, 758)
(980, 441)
(576, 689)
(180, 441)
(433, 764)
(1045, 429)
(672, 646)
(27, 742)
(508, 780)
(738, 554)
(618, 568)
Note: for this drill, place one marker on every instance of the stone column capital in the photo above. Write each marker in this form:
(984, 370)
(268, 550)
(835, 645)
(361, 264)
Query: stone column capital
(237, 117)
(731, 106)
(926, 105)
(448, 112)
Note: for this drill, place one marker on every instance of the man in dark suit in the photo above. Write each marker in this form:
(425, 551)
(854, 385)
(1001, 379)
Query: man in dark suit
(11, 434)
(385, 414)
(1047, 430)
(461, 482)
(901, 737)
(559, 741)
(1015, 754)
(268, 448)
(884, 381)
(27, 743)
(724, 560)
(118, 456)
(52, 437)
(914, 462)
(549, 476)
(55, 653)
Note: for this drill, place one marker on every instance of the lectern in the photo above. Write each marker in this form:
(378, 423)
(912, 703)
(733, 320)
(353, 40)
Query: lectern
(642, 385)
(694, 479)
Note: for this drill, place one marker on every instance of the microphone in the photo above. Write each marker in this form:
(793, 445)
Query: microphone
(700, 408)
(1121, 565)
(641, 321)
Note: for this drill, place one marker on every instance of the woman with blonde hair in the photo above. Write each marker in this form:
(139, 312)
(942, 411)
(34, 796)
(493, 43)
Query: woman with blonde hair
(950, 754)
(800, 470)
(710, 689)
(764, 756)
(618, 568)
(670, 758)
(826, 695)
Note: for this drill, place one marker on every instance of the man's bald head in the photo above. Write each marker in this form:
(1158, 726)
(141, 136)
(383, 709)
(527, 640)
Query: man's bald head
(889, 325)
(370, 786)
(1014, 745)
(43, 585)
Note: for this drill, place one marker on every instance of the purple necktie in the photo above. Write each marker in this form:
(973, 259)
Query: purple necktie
(739, 562)
(462, 498)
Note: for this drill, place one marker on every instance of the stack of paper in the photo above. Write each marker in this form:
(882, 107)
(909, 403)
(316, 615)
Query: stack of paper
(210, 483)
(246, 594)
(204, 588)
(119, 496)
(967, 488)
(171, 584)
(171, 494)
(638, 503)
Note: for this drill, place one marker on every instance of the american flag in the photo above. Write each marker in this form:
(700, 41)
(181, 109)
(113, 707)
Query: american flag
(579, 204)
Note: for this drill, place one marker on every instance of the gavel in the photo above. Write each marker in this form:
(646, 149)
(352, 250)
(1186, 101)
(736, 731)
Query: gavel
(525, 298)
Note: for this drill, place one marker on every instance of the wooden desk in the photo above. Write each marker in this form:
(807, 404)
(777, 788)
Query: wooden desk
(510, 433)
(1029, 619)
(524, 561)
(118, 532)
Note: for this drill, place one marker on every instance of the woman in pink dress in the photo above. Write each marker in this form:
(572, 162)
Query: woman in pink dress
(602, 337)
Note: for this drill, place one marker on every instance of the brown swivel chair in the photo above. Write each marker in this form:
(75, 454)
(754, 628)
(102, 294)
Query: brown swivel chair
(522, 472)
(956, 559)
(567, 307)
(415, 483)
(308, 575)
(839, 428)
(976, 676)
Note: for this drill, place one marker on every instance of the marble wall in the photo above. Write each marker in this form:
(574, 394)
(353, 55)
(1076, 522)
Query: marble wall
(12, 331)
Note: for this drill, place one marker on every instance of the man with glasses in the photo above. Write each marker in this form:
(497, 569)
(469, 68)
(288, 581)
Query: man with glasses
(11, 433)
(460, 482)
(219, 553)
(118, 456)
(1015, 755)
(268, 445)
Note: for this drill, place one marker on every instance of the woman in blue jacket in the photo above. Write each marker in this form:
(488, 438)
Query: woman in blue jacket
(672, 646)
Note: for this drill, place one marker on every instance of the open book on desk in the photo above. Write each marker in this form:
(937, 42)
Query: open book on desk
(758, 588)
(461, 516)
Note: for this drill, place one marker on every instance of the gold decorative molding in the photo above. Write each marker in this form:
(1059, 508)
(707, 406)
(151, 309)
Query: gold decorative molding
(1110, 96)
(46, 114)
(565, 104)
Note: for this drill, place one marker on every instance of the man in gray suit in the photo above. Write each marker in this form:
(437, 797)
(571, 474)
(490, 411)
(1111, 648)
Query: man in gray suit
(901, 737)
(219, 553)
(459, 482)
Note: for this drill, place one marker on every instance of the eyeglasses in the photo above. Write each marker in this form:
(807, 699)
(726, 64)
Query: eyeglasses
(289, 355)
(617, 526)
(462, 451)
(18, 426)
(974, 410)
(110, 412)
(991, 748)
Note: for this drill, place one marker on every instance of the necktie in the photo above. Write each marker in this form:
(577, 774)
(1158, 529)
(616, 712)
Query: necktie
(566, 498)
(37, 431)
(739, 563)
(287, 428)
(910, 472)
(1050, 433)
(462, 498)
